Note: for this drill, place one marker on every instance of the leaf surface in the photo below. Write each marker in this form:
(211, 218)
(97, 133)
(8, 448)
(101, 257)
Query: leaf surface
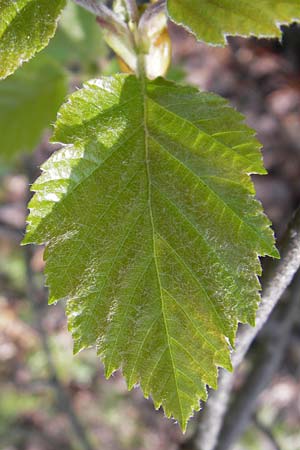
(153, 232)
(213, 20)
(25, 28)
(29, 101)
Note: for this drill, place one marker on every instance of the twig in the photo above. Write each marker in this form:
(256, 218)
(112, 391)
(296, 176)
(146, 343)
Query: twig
(276, 280)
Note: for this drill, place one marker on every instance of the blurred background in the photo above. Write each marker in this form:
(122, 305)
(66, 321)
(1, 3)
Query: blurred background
(51, 400)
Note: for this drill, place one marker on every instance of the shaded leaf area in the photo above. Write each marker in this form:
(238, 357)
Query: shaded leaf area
(25, 28)
(29, 101)
(212, 21)
(154, 232)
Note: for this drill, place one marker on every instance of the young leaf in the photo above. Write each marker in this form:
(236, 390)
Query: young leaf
(25, 28)
(153, 232)
(212, 21)
(29, 101)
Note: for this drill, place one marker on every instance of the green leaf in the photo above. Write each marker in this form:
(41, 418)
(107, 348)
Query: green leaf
(25, 28)
(29, 101)
(211, 20)
(78, 39)
(153, 232)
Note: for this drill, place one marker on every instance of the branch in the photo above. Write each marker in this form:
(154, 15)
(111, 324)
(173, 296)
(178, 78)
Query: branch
(277, 278)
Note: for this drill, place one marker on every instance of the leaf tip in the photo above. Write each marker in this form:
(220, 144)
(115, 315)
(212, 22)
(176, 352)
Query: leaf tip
(275, 253)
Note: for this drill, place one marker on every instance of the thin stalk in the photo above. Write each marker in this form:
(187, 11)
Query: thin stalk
(136, 37)
(141, 65)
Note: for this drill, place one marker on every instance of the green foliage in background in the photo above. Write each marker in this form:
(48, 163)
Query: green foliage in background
(78, 42)
(29, 100)
(212, 21)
